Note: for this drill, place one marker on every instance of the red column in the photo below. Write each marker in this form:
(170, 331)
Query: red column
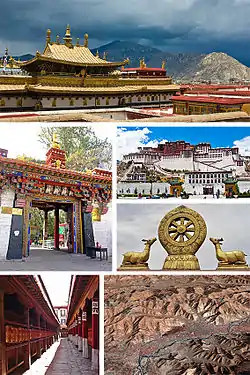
(56, 229)
(79, 331)
(3, 369)
(95, 333)
(84, 334)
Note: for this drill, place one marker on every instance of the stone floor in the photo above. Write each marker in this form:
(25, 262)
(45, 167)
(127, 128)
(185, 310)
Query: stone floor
(53, 260)
(69, 361)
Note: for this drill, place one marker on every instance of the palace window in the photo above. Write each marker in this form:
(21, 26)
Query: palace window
(139, 98)
(107, 101)
(85, 101)
(63, 312)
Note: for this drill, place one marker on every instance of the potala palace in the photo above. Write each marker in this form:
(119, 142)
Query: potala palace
(172, 167)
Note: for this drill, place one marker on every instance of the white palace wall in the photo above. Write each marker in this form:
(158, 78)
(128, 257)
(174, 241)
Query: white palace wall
(146, 186)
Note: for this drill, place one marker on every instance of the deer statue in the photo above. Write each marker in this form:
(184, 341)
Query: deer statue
(133, 257)
(228, 257)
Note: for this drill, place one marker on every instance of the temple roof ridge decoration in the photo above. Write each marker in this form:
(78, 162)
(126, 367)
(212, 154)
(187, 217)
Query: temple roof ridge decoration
(67, 52)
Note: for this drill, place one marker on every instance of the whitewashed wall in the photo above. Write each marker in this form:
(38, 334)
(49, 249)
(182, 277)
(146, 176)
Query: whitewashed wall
(162, 186)
(7, 198)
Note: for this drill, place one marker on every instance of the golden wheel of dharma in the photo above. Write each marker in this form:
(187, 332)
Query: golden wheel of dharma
(181, 232)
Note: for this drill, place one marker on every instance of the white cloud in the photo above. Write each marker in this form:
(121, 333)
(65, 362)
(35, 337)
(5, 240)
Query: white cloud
(244, 146)
(129, 140)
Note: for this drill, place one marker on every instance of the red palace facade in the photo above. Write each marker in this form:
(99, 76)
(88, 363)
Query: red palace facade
(28, 323)
(83, 316)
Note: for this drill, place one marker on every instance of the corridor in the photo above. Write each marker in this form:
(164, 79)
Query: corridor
(68, 360)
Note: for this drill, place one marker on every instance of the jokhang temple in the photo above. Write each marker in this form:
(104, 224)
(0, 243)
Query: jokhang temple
(84, 196)
(67, 75)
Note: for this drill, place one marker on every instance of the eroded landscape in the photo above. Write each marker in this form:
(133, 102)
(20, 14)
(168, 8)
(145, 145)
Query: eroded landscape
(178, 325)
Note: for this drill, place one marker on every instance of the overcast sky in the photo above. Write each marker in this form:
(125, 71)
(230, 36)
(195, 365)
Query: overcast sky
(139, 220)
(21, 139)
(57, 285)
(172, 25)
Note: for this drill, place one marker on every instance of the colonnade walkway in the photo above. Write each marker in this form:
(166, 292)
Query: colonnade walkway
(68, 360)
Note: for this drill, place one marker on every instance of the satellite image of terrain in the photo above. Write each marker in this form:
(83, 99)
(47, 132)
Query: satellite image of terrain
(177, 325)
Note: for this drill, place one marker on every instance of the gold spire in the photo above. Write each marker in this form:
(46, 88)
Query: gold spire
(142, 63)
(163, 64)
(86, 40)
(55, 143)
(78, 42)
(97, 53)
(67, 38)
(57, 39)
(48, 36)
(105, 56)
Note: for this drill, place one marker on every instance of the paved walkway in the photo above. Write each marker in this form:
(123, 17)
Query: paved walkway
(53, 260)
(69, 361)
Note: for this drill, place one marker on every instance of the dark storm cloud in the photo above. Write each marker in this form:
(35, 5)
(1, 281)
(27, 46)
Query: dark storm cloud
(196, 25)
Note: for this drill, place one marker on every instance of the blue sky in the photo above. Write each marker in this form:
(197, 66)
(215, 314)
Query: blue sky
(217, 136)
(130, 138)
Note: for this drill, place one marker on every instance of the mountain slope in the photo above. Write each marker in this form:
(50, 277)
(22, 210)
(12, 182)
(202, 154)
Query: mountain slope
(176, 325)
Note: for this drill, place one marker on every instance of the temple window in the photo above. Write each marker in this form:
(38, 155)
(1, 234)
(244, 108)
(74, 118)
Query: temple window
(54, 102)
(2, 102)
(148, 98)
(139, 98)
(107, 101)
(97, 101)
(71, 102)
(85, 101)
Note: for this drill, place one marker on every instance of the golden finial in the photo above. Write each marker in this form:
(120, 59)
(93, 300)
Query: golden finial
(86, 40)
(78, 42)
(163, 64)
(48, 36)
(58, 164)
(67, 38)
(38, 54)
(105, 56)
(57, 39)
(142, 63)
(55, 143)
(97, 53)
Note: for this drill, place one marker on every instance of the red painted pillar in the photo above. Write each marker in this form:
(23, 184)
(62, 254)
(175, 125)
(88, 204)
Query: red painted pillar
(95, 333)
(3, 366)
(85, 349)
(56, 229)
(76, 331)
(79, 331)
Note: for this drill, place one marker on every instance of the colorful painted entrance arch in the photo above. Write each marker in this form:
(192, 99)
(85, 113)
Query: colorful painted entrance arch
(49, 186)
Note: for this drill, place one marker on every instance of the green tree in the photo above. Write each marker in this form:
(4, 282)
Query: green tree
(29, 158)
(84, 150)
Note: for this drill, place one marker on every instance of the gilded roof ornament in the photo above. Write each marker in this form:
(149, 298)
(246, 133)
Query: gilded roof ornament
(55, 143)
(48, 36)
(142, 63)
(67, 38)
(38, 54)
(78, 42)
(97, 53)
(163, 65)
(105, 56)
(57, 39)
(86, 40)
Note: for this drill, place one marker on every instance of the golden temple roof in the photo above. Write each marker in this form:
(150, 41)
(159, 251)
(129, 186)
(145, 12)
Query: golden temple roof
(69, 53)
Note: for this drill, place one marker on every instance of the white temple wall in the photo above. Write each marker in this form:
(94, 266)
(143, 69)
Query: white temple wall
(198, 188)
(146, 186)
(103, 230)
(244, 186)
(7, 199)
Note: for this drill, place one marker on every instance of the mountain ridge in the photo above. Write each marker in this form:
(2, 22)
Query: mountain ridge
(215, 67)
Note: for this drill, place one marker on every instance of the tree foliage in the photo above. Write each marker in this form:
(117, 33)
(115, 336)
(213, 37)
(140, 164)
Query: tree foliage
(84, 150)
